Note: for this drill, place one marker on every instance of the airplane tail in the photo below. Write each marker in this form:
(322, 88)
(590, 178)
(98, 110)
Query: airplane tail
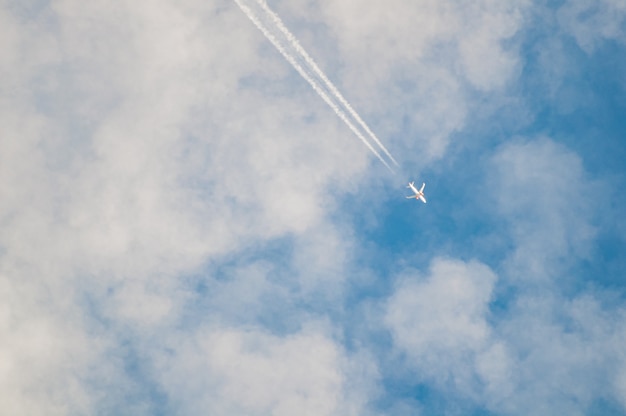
(410, 184)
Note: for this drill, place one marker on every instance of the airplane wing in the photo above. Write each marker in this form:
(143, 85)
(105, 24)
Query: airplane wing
(422, 188)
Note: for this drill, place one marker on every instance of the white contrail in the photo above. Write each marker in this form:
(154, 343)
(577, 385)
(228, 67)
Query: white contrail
(311, 63)
(316, 87)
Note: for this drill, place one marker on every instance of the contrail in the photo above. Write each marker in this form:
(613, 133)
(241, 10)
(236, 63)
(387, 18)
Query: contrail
(311, 63)
(316, 87)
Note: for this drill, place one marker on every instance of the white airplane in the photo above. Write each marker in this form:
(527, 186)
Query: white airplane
(418, 194)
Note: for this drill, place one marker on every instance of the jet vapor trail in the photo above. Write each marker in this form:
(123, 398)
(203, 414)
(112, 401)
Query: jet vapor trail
(311, 63)
(314, 84)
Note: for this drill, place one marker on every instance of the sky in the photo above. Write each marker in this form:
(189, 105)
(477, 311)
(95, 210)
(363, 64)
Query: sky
(186, 227)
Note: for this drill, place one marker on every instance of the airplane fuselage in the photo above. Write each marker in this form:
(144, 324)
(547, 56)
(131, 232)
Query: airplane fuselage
(419, 194)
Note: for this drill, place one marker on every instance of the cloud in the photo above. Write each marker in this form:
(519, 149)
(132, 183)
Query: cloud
(46, 356)
(440, 323)
(415, 65)
(145, 148)
(131, 157)
(547, 200)
(524, 335)
(560, 336)
(233, 371)
(593, 22)
(548, 354)
(565, 353)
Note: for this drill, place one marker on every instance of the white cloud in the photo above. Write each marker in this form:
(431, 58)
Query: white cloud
(399, 33)
(555, 349)
(230, 371)
(566, 353)
(156, 152)
(561, 339)
(44, 359)
(546, 355)
(414, 64)
(440, 323)
(487, 62)
(544, 194)
(593, 22)
(132, 155)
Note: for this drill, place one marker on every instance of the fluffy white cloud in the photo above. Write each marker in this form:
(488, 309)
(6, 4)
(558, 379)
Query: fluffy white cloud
(561, 342)
(555, 349)
(567, 354)
(140, 143)
(416, 63)
(397, 33)
(440, 323)
(546, 355)
(45, 358)
(593, 22)
(546, 198)
(230, 371)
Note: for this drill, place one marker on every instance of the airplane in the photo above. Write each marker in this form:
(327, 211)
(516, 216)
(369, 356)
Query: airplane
(418, 194)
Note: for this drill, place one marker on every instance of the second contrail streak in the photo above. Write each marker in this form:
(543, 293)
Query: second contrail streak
(311, 63)
(314, 84)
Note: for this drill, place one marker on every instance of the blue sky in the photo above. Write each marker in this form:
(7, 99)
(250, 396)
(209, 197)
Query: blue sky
(187, 228)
